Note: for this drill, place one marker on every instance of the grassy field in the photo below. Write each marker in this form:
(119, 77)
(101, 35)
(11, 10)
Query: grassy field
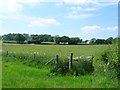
(18, 75)
(62, 50)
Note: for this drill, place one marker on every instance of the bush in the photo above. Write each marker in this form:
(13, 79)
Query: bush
(81, 67)
(62, 67)
(111, 56)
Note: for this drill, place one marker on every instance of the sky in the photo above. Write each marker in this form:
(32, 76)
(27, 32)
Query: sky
(86, 19)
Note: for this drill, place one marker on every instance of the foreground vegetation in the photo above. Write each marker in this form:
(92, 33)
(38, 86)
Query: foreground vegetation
(18, 73)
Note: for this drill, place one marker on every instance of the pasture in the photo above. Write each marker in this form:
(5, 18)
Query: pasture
(18, 75)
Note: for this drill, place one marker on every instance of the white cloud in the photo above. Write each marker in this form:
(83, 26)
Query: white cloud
(79, 8)
(16, 5)
(9, 6)
(89, 29)
(96, 29)
(115, 28)
(89, 5)
(43, 22)
(84, 2)
(111, 1)
(30, 1)
(33, 21)
(38, 21)
(13, 6)
(76, 16)
(79, 2)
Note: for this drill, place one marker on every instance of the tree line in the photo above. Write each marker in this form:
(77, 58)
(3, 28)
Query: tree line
(38, 39)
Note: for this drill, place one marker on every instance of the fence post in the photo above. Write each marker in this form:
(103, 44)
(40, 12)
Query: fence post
(7, 53)
(56, 60)
(70, 61)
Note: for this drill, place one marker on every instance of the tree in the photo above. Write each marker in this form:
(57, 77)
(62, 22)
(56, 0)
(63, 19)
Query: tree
(101, 41)
(80, 41)
(109, 40)
(64, 39)
(57, 40)
(9, 37)
(19, 38)
(86, 41)
(92, 41)
(26, 36)
(74, 41)
(36, 39)
(51, 39)
(46, 37)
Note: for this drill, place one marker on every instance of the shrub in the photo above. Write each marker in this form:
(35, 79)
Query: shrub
(81, 67)
(111, 56)
(62, 67)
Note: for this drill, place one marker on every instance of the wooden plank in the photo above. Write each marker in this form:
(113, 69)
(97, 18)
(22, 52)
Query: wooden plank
(50, 60)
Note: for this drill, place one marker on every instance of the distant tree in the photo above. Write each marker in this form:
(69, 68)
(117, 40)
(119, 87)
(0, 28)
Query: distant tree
(92, 41)
(55, 37)
(86, 41)
(46, 37)
(64, 39)
(51, 39)
(80, 41)
(36, 39)
(20, 38)
(109, 40)
(9, 37)
(57, 40)
(101, 41)
(74, 41)
(26, 36)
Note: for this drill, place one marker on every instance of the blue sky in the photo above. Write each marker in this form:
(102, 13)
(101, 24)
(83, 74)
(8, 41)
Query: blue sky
(75, 18)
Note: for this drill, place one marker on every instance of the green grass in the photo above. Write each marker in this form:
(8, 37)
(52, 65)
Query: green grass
(18, 75)
(62, 50)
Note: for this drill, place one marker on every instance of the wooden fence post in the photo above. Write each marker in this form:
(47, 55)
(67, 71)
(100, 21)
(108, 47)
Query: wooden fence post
(70, 61)
(7, 53)
(56, 60)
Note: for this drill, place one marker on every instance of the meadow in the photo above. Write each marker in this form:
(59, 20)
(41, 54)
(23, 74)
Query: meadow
(18, 75)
